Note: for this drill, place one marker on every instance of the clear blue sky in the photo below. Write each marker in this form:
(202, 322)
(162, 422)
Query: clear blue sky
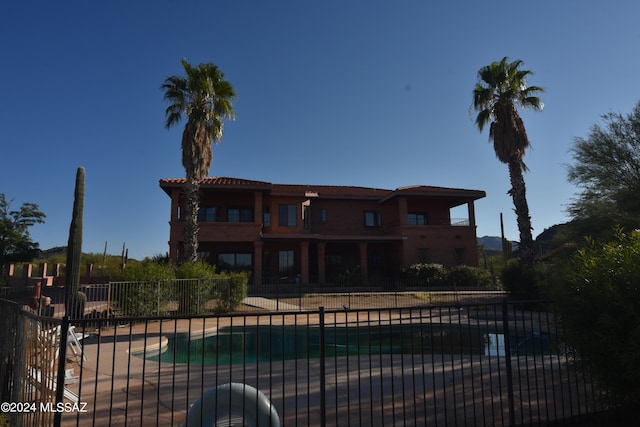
(346, 92)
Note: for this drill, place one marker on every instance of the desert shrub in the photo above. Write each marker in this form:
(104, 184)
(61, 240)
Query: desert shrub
(599, 303)
(524, 282)
(146, 270)
(194, 290)
(426, 274)
(467, 276)
(231, 290)
(143, 288)
(348, 276)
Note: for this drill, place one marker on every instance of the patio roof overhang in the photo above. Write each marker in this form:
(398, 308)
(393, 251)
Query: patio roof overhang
(330, 238)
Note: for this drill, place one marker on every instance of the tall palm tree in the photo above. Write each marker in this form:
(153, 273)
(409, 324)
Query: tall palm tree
(502, 87)
(205, 98)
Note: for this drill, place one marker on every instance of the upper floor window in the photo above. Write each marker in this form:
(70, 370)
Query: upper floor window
(207, 214)
(305, 216)
(372, 219)
(287, 215)
(266, 217)
(322, 216)
(240, 215)
(417, 218)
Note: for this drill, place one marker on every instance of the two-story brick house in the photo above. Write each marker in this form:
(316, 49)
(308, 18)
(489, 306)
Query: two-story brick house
(313, 233)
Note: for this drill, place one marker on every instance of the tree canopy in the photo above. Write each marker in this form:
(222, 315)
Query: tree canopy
(206, 99)
(598, 297)
(15, 241)
(500, 89)
(606, 168)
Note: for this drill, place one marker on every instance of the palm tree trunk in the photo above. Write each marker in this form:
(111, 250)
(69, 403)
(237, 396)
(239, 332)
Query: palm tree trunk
(192, 206)
(518, 194)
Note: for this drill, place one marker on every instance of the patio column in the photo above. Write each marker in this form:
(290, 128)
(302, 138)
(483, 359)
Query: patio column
(364, 267)
(472, 214)
(173, 252)
(403, 212)
(175, 204)
(257, 207)
(304, 262)
(257, 262)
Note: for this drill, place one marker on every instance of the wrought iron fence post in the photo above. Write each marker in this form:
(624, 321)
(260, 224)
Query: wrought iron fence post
(158, 297)
(62, 357)
(507, 360)
(323, 407)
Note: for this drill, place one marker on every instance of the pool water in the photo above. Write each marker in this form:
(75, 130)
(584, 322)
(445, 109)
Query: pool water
(250, 344)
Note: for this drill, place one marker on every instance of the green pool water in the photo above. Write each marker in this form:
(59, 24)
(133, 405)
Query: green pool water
(250, 344)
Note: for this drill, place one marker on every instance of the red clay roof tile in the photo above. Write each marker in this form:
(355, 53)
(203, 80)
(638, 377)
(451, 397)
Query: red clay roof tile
(326, 191)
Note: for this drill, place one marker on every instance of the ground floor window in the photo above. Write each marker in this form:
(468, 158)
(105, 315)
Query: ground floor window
(286, 262)
(235, 261)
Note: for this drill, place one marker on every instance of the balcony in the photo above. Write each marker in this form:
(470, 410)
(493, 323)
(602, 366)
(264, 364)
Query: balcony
(459, 222)
(220, 231)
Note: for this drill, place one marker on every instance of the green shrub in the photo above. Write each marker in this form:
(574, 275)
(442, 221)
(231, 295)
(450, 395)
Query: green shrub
(464, 276)
(231, 290)
(195, 270)
(148, 298)
(146, 271)
(143, 289)
(193, 295)
(524, 282)
(599, 303)
(426, 274)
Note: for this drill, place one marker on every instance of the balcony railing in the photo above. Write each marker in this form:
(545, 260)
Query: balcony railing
(459, 222)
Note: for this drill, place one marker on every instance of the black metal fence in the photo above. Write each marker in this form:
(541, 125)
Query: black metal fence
(188, 296)
(481, 364)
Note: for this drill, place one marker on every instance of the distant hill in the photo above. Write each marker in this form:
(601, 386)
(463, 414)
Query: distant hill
(544, 242)
(494, 243)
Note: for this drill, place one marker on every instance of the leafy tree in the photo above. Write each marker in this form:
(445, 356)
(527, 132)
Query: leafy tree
(599, 301)
(15, 242)
(607, 170)
(205, 98)
(501, 87)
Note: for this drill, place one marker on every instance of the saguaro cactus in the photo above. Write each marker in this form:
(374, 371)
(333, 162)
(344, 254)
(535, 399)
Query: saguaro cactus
(75, 300)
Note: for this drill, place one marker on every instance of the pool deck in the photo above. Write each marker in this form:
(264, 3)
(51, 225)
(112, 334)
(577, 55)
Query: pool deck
(270, 304)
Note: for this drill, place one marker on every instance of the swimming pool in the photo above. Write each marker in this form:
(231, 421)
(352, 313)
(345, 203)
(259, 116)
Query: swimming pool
(250, 344)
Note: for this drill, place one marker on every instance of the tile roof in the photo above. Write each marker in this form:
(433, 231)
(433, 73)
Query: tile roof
(427, 190)
(217, 180)
(326, 191)
(330, 191)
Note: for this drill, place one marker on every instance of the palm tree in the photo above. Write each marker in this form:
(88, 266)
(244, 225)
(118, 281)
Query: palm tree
(205, 98)
(501, 87)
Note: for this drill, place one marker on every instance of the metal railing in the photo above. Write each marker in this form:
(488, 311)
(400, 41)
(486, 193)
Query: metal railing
(199, 296)
(492, 364)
